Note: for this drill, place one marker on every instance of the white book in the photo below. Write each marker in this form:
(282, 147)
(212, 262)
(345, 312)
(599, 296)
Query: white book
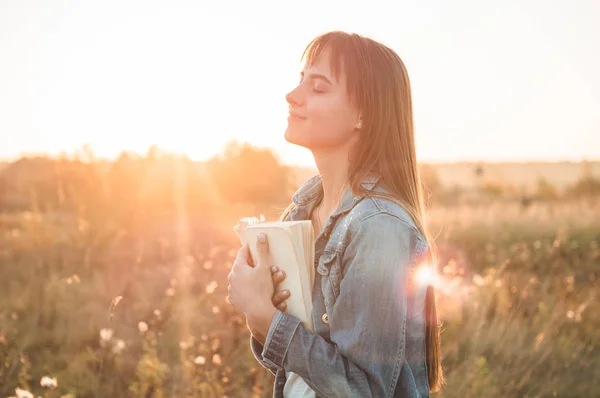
(292, 249)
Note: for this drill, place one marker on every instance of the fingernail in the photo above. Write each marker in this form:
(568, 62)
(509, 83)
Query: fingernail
(286, 292)
(262, 238)
(274, 268)
(280, 273)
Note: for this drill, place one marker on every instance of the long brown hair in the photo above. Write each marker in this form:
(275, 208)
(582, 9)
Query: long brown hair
(378, 84)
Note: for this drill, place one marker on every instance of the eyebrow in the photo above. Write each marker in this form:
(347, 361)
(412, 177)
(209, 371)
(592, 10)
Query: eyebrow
(317, 76)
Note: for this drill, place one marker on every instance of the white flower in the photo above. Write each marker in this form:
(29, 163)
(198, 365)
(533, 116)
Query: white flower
(105, 336)
(118, 346)
(478, 280)
(216, 359)
(48, 382)
(200, 360)
(143, 327)
(23, 393)
(211, 287)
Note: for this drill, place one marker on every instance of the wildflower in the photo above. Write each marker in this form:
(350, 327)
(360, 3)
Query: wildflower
(208, 264)
(105, 336)
(215, 344)
(215, 309)
(157, 313)
(143, 327)
(200, 360)
(23, 393)
(118, 346)
(478, 280)
(170, 292)
(216, 359)
(49, 382)
(113, 306)
(73, 279)
(212, 286)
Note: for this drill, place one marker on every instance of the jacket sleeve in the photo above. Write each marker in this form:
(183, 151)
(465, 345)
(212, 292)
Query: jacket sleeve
(257, 349)
(368, 319)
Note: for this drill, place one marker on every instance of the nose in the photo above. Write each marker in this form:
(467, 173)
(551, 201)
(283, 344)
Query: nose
(294, 97)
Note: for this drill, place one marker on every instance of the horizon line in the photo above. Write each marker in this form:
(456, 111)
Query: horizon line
(24, 155)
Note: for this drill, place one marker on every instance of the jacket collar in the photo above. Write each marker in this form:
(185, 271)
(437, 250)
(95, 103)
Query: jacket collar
(312, 189)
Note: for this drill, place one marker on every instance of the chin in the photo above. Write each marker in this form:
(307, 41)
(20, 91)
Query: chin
(293, 136)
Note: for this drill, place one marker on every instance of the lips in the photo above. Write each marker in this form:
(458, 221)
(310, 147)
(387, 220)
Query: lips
(297, 115)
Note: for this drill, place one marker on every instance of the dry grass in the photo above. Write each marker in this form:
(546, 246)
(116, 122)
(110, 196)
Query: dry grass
(516, 293)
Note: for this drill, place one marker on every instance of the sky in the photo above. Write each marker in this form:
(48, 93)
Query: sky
(492, 81)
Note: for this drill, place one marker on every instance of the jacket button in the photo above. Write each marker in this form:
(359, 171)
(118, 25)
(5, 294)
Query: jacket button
(325, 318)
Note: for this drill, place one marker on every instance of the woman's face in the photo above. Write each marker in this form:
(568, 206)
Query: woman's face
(321, 115)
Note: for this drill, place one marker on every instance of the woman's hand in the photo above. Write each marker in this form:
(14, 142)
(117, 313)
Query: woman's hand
(251, 288)
(280, 297)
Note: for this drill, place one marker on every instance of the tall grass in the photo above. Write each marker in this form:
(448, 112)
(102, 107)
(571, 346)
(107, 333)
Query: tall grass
(516, 290)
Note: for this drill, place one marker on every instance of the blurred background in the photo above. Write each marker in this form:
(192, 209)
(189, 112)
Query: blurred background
(134, 135)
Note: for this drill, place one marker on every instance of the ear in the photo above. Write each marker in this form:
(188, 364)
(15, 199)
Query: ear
(359, 123)
(359, 119)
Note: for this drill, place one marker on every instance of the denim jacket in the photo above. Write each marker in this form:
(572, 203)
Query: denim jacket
(368, 310)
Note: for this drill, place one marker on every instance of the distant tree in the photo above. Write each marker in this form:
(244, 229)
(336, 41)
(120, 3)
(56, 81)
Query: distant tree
(545, 190)
(479, 171)
(142, 189)
(47, 184)
(243, 173)
(585, 187)
(494, 189)
(133, 191)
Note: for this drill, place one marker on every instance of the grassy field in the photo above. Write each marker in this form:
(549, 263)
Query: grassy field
(114, 313)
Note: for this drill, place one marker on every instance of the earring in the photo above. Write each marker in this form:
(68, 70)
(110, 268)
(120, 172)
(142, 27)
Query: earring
(359, 125)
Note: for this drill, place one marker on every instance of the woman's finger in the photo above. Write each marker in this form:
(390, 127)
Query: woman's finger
(262, 248)
(278, 277)
(280, 297)
(282, 307)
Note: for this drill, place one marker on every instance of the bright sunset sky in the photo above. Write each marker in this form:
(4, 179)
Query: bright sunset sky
(492, 80)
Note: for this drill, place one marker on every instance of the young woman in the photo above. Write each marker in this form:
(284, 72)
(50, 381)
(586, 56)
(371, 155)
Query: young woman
(376, 328)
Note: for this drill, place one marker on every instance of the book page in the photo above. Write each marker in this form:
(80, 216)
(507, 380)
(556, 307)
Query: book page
(300, 245)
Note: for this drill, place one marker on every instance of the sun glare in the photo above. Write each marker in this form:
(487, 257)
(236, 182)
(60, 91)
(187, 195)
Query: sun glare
(425, 274)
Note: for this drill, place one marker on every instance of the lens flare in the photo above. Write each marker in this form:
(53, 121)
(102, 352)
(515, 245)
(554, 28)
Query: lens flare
(425, 274)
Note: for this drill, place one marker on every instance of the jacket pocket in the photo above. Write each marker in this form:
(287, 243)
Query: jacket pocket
(329, 268)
